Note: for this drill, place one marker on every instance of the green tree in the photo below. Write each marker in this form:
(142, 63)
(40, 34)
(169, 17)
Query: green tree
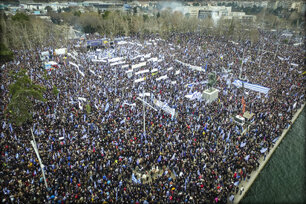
(20, 17)
(48, 8)
(105, 14)
(5, 54)
(77, 13)
(55, 90)
(231, 28)
(24, 93)
(88, 108)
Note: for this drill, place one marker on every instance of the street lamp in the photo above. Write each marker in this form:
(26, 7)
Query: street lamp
(33, 143)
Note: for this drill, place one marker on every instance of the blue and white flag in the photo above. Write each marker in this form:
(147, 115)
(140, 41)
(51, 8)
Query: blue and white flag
(263, 150)
(122, 121)
(135, 180)
(11, 128)
(186, 181)
(106, 107)
(242, 144)
(275, 140)
(159, 158)
(253, 87)
(174, 173)
(204, 167)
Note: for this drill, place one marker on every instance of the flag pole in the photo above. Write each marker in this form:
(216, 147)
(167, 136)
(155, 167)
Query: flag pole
(33, 143)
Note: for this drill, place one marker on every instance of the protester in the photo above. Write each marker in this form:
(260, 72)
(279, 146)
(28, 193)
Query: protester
(199, 154)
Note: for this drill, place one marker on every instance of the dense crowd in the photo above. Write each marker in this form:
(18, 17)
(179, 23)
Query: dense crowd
(103, 154)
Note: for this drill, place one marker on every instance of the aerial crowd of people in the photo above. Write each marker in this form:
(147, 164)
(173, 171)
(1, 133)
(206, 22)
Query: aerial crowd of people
(99, 142)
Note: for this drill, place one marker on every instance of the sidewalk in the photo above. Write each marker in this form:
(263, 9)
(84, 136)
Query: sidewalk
(247, 184)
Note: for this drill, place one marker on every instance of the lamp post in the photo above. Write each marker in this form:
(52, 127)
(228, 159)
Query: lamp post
(33, 143)
(241, 64)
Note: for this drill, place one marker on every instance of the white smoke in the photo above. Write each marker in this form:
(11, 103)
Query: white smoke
(174, 6)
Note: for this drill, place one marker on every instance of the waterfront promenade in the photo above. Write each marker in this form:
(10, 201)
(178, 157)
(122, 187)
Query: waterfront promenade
(248, 183)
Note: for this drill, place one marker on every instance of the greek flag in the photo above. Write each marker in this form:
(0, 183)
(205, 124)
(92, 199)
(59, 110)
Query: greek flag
(263, 150)
(159, 158)
(173, 157)
(275, 140)
(186, 181)
(135, 180)
(174, 173)
(106, 107)
(253, 87)
(11, 128)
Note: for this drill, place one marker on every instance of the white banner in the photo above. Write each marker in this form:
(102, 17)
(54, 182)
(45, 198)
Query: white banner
(138, 56)
(117, 63)
(154, 70)
(154, 59)
(136, 66)
(46, 53)
(82, 99)
(293, 64)
(145, 94)
(139, 80)
(147, 55)
(61, 51)
(98, 60)
(116, 59)
(162, 77)
(74, 64)
(142, 72)
(122, 43)
(197, 68)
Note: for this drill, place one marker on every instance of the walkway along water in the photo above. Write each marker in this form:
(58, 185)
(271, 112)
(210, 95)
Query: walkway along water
(247, 184)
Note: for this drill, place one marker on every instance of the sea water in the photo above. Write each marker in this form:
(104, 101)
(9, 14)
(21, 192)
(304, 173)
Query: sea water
(283, 178)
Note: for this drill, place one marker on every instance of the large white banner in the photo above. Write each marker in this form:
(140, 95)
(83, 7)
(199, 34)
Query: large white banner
(142, 72)
(61, 51)
(140, 80)
(154, 59)
(196, 68)
(136, 66)
(98, 60)
(162, 77)
(154, 70)
(116, 59)
(117, 63)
